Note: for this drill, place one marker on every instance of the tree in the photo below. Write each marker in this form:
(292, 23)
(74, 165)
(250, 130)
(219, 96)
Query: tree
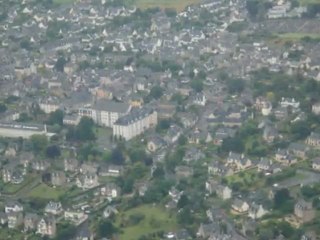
(56, 117)
(3, 108)
(59, 66)
(185, 217)
(117, 156)
(53, 151)
(197, 85)
(235, 86)
(84, 130)
(282, 201)
(156, 92)
(106, 229)
(39, 143)
(183, 201)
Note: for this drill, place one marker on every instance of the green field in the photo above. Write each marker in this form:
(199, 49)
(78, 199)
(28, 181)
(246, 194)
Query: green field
(63, 1)
(306, 2)
(297, 36)
(178, 5)
(46, 192)
(156, 219)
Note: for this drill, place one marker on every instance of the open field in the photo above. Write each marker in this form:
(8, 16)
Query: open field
(178, 5)
(46, 192)
(155, 219)
(306, 2)
(63, 1)
(297, 36)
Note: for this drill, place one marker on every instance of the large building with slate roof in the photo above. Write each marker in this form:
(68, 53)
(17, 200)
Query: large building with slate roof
(135, 123)
(105, 112)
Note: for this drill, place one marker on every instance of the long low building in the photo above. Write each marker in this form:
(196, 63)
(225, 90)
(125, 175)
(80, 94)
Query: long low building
(16, 130)
(135, 123)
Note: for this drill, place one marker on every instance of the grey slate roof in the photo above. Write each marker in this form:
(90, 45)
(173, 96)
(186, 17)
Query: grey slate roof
(111, 106)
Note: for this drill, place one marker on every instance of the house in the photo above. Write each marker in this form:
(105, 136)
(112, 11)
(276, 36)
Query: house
(40, 165)
(71, 165)
(240, 206)
(199, 99)
(89, 167)
(304, 211)
(30, 222)
(110, 190)
(71, 120)
(87, 181)
(299, 150)
(3, 218)
(289, 102)
(84, 233)
(46, 226)
(13, 207)
(316, 108)
(313, 140)
(224, 192)
(155, 143)
(183, 172)
(264, 165)
(53, 208)
(316, 164)
(141, 188)
(211, 185)
(109, 211)
(175, 194)
(256, 211)
(285, 158)
(281, 113)
(269, 134)
(193, 155)
(223, 133)
(15, 219)
(238, 161)
(75, 217)
(173, 134)
(110, 171)
(58, 178)
(216, 168)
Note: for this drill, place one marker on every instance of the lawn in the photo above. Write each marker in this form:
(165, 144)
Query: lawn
(248, 179)
(306, 2)
(155, 219)
(297, 36)
(179, 5)
(46, 192)
(63, 1)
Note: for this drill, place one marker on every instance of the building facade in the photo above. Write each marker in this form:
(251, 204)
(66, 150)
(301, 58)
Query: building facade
(135, 123)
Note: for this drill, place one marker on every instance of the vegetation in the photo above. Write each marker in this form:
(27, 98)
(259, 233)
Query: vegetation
(151, 220)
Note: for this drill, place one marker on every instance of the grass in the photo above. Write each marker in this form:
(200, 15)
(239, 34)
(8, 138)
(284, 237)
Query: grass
(45, 192)
(156, 219)
(63, 1)
(178, 5)
(297, 36)
(248, 178)
(306, 2)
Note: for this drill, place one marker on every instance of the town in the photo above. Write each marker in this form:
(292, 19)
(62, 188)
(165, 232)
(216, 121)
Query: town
(133, 120)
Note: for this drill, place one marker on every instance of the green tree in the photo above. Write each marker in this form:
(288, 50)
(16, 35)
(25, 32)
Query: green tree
(61, 62)
(197, 85)
(3, 108)
(156, 92)
(56, 117)
(39, 143)
(85, 130)
(53, 151)
(106, 229)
